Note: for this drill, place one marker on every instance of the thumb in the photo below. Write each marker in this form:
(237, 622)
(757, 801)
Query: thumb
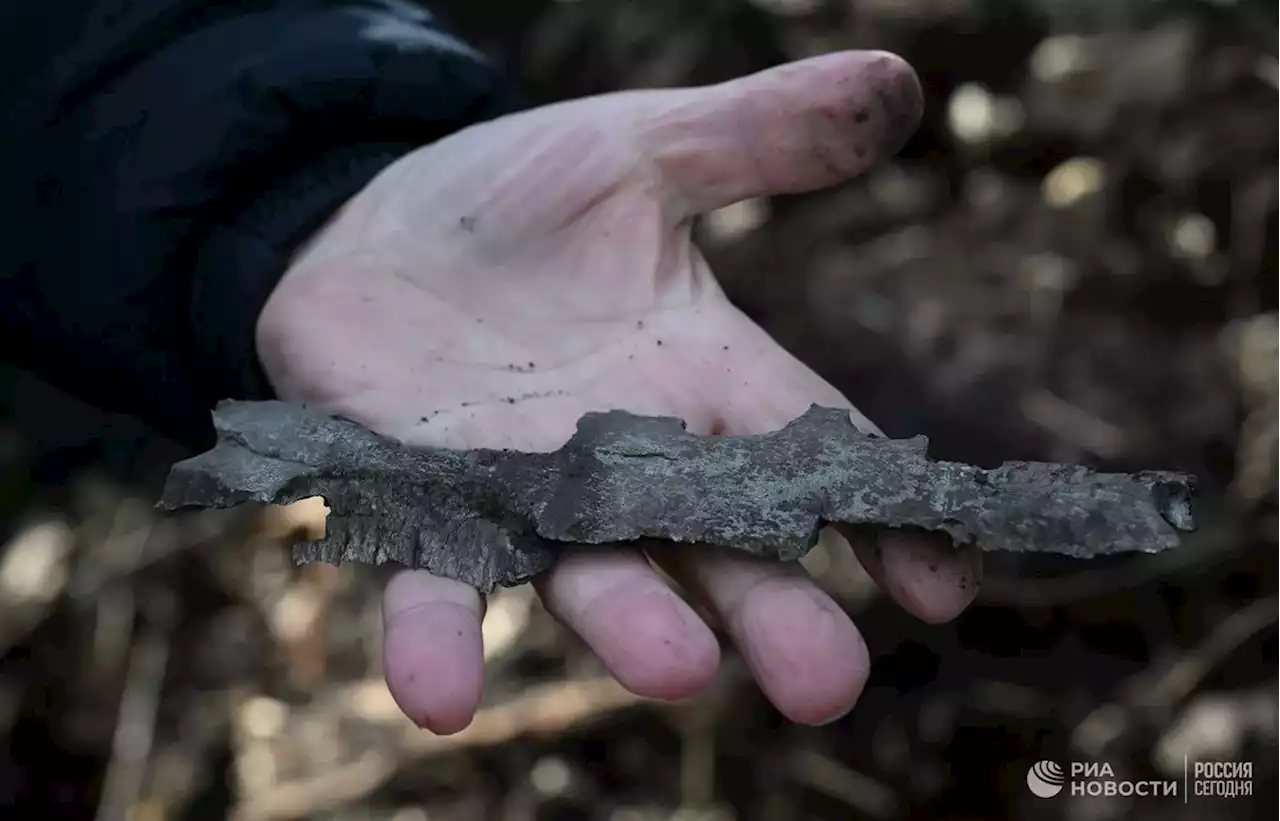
(789, 129)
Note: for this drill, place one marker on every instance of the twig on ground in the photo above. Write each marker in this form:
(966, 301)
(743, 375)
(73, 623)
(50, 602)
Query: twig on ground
(139, 704)
(864, 794)
(1183, 676)
(1157, 691)
(546, 710)
(1074, 424)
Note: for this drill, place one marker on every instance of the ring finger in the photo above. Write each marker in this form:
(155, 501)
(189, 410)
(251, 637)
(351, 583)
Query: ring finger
(803, 649)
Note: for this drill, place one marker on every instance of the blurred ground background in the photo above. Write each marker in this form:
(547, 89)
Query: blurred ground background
(1074, 259)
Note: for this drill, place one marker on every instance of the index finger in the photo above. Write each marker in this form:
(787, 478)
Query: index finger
(433, 650)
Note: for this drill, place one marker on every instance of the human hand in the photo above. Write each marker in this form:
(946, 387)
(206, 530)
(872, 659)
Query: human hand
(490, 288)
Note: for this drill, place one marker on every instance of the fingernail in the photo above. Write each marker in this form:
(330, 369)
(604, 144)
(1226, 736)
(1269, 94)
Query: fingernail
(898, 101)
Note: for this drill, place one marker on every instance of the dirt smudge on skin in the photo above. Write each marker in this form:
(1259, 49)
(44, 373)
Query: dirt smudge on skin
(899, 103)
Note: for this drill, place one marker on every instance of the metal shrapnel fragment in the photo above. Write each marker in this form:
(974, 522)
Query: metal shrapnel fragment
(496, 518)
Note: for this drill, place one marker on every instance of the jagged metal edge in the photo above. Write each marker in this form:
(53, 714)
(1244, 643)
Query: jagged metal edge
(492, 518)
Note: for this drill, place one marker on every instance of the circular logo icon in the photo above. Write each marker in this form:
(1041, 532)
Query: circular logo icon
(1045, 779)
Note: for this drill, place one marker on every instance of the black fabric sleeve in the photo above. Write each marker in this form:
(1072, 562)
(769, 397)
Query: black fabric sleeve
(168, 161)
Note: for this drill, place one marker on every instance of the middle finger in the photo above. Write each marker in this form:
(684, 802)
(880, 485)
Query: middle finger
(649, 638)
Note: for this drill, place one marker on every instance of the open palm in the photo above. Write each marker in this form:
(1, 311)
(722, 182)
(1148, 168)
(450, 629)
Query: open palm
(489, 289)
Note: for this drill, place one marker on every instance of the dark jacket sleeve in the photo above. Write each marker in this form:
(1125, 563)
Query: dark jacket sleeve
(165, 158)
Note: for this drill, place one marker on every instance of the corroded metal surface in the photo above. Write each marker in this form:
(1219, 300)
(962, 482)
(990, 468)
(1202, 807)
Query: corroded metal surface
(494, 518)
